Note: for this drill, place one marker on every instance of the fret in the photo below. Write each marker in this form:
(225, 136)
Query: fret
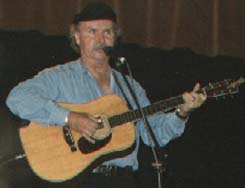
(134, 115)
(212, 90)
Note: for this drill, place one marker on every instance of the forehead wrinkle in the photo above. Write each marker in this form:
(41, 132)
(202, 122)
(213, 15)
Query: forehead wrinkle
(96, 25)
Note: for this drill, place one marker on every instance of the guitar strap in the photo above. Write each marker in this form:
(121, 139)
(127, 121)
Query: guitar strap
(121, 89)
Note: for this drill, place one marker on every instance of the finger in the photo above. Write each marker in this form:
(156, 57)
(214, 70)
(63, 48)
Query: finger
(94, 126)
(95, 122)
(188, 97)
(88, 132)
(196, 87)
(195, 96)
(204, 96)
(200, 97)
(91, 131)
(88, 138)
(94, 118)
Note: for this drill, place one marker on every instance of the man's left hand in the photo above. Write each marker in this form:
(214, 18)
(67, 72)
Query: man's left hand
(192, 100)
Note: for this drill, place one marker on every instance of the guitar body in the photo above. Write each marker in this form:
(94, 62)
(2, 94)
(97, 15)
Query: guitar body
(50, 156)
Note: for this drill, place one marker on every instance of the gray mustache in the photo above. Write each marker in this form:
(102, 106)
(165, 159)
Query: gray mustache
(100, 46)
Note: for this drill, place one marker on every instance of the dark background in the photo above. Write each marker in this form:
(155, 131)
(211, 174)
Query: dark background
(209, 154)
(194, 40)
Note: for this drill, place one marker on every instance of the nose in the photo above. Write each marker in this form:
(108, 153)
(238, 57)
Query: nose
(100, 37)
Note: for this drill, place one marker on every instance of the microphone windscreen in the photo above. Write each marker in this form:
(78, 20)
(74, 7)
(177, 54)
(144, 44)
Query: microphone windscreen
(109, 50)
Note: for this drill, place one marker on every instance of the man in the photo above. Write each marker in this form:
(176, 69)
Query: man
(86, 79)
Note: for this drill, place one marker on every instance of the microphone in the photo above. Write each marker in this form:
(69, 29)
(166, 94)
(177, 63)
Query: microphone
(114, 53)
(110, 51)
(107, 50)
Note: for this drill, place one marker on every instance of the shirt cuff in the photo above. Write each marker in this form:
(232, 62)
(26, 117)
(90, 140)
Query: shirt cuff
(59, 116)
(181, 117)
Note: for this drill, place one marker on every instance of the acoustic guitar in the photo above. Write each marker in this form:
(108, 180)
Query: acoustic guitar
(52, 159)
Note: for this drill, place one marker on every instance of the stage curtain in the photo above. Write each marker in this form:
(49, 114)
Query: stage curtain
(210, 27)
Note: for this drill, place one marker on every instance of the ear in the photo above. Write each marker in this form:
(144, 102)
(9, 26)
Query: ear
(76, 37)
(74, 34)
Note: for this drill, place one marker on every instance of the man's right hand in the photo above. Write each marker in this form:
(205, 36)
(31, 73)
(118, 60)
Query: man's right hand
(84, 124)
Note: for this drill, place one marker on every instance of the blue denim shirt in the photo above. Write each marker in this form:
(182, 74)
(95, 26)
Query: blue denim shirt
(36, 98)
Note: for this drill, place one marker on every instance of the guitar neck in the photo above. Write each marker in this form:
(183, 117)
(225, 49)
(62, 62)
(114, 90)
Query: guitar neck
(212, 90)
(134, 115)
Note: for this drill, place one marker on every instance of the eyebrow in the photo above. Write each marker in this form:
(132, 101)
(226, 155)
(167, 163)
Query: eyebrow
(105, 28)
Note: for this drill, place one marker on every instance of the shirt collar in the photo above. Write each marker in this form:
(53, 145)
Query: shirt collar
(85, 71)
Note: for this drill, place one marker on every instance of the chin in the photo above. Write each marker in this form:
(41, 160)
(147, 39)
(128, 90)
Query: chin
(102, 58)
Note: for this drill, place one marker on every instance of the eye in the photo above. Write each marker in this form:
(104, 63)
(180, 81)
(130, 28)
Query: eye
(108, 32)
(92, 31)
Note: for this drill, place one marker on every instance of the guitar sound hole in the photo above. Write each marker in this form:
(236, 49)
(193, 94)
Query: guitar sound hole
(87, 147)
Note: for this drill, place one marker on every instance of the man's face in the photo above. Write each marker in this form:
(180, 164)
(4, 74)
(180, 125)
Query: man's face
(92, 36)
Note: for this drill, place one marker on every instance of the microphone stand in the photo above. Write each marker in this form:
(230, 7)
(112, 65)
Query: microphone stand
(119, 62)
(14, 158)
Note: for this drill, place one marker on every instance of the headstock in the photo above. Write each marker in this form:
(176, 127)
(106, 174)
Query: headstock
(222, 88)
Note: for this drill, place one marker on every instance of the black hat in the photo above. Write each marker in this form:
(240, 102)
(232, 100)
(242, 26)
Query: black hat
(95, 11)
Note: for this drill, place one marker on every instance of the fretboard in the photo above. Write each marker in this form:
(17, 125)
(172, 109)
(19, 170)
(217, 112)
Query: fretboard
(214, 90)
(133, 115)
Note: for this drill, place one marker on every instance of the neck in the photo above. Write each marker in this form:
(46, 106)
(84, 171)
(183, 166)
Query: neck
(101, 72)
(98, 69)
